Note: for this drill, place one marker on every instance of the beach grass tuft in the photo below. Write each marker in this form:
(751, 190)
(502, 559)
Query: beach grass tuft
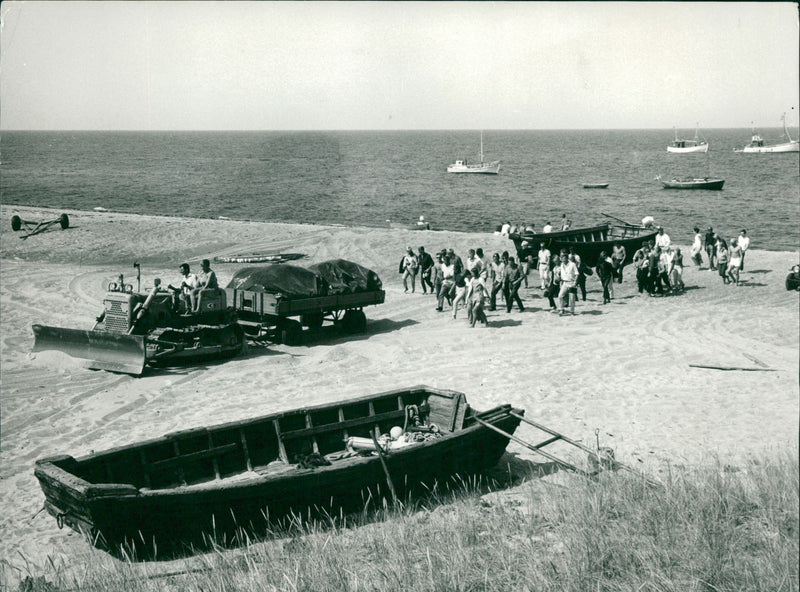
(714, 528)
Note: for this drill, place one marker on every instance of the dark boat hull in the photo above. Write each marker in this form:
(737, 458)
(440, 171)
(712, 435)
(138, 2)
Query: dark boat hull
(708, 184)
(587, 242)
(129, 519)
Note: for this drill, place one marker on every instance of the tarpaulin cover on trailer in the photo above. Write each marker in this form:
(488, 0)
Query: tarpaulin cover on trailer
(344, 277)
(289, 280)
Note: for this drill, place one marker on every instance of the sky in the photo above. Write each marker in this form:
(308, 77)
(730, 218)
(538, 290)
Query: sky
(162, 65)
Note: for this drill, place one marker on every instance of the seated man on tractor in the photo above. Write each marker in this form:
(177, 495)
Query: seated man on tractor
(183, 293)
(206, 280)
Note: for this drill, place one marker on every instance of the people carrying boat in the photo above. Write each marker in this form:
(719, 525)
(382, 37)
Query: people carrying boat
(505, 230)
(182, 293)
(206, 280)
(425, 269)
(513, 281)
(662, 238)
(744, 244)
(544, 264)
(565, 222)
(569, 279)
(710, 241)
(648, 221)
(618, 255)
(547, 227)
(605, 271)
(735, 262)
(697, 247)
(409, 266)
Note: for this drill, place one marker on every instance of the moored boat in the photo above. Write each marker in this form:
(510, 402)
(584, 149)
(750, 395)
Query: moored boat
(588, 242)
(211, 485)
(682, 146)
(595, 185)
(710, 183)
(485, 168)
(758, 144)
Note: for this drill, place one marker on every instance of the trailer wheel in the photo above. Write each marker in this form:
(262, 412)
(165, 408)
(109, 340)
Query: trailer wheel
(354, 321)
(313, 320)
(16, 222)
(291, 332)
(64, 221)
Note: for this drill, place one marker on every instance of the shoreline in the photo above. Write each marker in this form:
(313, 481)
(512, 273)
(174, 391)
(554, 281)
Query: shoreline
(630, 369)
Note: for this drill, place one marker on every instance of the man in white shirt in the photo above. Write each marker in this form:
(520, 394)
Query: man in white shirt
(547, 227)
(662, 239)
(744, 244)
(544, 264)
(185, 288)
(569, 282)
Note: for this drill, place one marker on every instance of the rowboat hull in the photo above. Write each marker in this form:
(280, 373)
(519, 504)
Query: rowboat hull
(226, 483)
(710, 184)
(595, 185)
(588, 242)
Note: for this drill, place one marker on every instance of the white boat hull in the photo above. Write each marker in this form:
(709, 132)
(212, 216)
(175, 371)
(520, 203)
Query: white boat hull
(489, 168)
(786, 147)
(686, 149)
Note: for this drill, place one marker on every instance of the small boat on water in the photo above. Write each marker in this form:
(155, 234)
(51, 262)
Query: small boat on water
(682, 146)
(595, 185)
(484, 168)
(211, 485)
(588, 242)
(758, 144)
(710, 183)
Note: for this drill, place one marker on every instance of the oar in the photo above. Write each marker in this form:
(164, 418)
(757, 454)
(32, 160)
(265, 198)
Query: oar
(618, 220)
(385, 468)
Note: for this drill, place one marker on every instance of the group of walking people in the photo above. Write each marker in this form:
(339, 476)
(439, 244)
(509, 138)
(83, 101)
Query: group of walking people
(727, 260)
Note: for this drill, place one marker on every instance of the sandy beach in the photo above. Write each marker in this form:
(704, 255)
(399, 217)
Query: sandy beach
(628, 369)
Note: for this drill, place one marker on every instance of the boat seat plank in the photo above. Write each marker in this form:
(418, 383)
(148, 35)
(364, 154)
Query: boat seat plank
(343, 425)
(200, 454)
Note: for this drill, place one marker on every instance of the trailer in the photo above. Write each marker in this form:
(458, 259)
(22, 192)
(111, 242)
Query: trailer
(282, 319)
(276, 302)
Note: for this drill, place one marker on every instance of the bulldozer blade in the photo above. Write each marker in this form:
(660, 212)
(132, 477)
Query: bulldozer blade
(106, 351)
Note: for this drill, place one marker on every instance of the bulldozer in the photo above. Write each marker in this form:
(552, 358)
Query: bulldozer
(138, 329)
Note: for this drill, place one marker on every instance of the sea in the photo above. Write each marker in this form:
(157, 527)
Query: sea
(391, 178)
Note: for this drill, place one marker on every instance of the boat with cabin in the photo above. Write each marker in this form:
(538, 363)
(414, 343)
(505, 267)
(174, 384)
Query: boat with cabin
(482, 167)
(683, 146)
(207, 486)
(758, 145)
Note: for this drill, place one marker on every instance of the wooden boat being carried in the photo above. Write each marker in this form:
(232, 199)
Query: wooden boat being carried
(188, 489)
(588, 242)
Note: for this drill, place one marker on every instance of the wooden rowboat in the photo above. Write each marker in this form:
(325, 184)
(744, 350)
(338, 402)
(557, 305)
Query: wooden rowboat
(183, 491)
(595, 185)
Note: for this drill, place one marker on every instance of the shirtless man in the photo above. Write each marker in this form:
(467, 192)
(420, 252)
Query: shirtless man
(206, 280)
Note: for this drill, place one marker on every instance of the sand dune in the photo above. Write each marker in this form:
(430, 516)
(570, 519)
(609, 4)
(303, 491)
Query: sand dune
(627, 369)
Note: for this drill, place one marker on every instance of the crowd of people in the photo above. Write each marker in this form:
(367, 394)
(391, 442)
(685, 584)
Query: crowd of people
(477, 282)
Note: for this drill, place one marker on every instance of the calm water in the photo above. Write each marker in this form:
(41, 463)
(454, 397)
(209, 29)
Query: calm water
(368, 178)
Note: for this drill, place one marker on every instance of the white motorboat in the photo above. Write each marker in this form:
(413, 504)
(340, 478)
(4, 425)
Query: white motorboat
(681, 146)
(485, 168)
(758, 144)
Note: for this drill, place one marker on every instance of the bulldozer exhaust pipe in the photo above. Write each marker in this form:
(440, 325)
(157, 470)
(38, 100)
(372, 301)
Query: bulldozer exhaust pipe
(105, 351)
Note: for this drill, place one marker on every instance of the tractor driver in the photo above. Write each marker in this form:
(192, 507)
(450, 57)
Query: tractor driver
(183, 292)
(206, 280)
